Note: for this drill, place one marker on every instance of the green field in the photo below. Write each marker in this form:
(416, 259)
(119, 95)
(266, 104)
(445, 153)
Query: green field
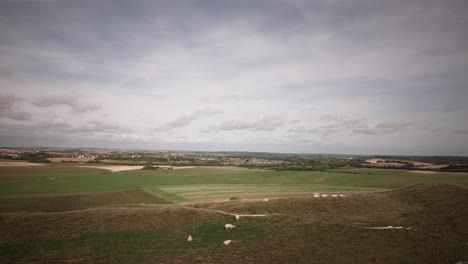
(226, 191)
(203, 183)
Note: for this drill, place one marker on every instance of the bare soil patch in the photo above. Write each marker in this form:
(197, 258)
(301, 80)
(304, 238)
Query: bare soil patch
(375, 160)
(21, 164)
(437, 172)
(115, 168)
(69, 159)
(434, 166)
(424, 172)
(317, 180)
(174, 167)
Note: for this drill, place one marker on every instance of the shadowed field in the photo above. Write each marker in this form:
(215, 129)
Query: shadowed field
(60, 203)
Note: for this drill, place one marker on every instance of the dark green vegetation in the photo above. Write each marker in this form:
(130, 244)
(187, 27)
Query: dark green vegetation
(68, 202)
(298, 230)
(54, 172)
(127, 218)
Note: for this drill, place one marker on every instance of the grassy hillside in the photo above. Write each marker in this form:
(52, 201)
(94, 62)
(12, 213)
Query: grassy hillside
(59, 203)
(297, 230)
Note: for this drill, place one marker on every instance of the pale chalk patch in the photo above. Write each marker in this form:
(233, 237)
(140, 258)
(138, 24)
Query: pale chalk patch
(387, 227)
(229, 226)
(115, 168)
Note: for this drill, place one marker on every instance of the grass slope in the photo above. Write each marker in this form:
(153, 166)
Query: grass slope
(59, 203)
(302, 230)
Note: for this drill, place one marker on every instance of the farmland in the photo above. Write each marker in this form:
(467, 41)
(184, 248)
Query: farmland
(68, 213)
(65, 179)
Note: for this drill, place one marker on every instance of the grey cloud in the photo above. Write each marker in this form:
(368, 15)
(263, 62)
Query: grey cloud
(268, 123)
(360, 125)
(8, 109)
(56, 131)
(94, 126)
(187, 119)
(230, 97)
(460, 131)
(99, 126)
(303, 130)
(73, 101)
(374, 129)
(237, 125)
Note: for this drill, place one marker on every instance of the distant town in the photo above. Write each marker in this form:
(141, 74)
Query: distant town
(277, 161)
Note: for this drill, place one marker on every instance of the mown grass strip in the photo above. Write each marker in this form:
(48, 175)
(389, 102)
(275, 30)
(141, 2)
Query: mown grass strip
(172, 197)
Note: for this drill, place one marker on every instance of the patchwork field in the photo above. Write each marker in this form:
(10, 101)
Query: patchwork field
(206, 182)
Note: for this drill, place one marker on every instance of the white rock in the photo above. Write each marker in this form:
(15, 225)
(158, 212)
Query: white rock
(189, 238)
(227, 242)
(266, 200)
(229, 226)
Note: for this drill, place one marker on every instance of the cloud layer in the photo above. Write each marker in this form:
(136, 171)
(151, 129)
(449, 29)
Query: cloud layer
(356, 76)
(72, 101)
(8, 109)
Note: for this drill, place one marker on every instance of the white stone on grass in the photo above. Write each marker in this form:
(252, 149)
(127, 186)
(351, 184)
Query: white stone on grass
(229, 226)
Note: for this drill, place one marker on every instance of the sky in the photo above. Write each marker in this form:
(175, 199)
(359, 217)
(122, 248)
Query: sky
(294, 76)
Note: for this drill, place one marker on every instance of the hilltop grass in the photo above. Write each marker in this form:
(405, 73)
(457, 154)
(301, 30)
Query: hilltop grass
(300, 230)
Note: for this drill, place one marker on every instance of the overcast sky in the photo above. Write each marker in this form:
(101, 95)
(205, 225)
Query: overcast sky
(303, 76)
